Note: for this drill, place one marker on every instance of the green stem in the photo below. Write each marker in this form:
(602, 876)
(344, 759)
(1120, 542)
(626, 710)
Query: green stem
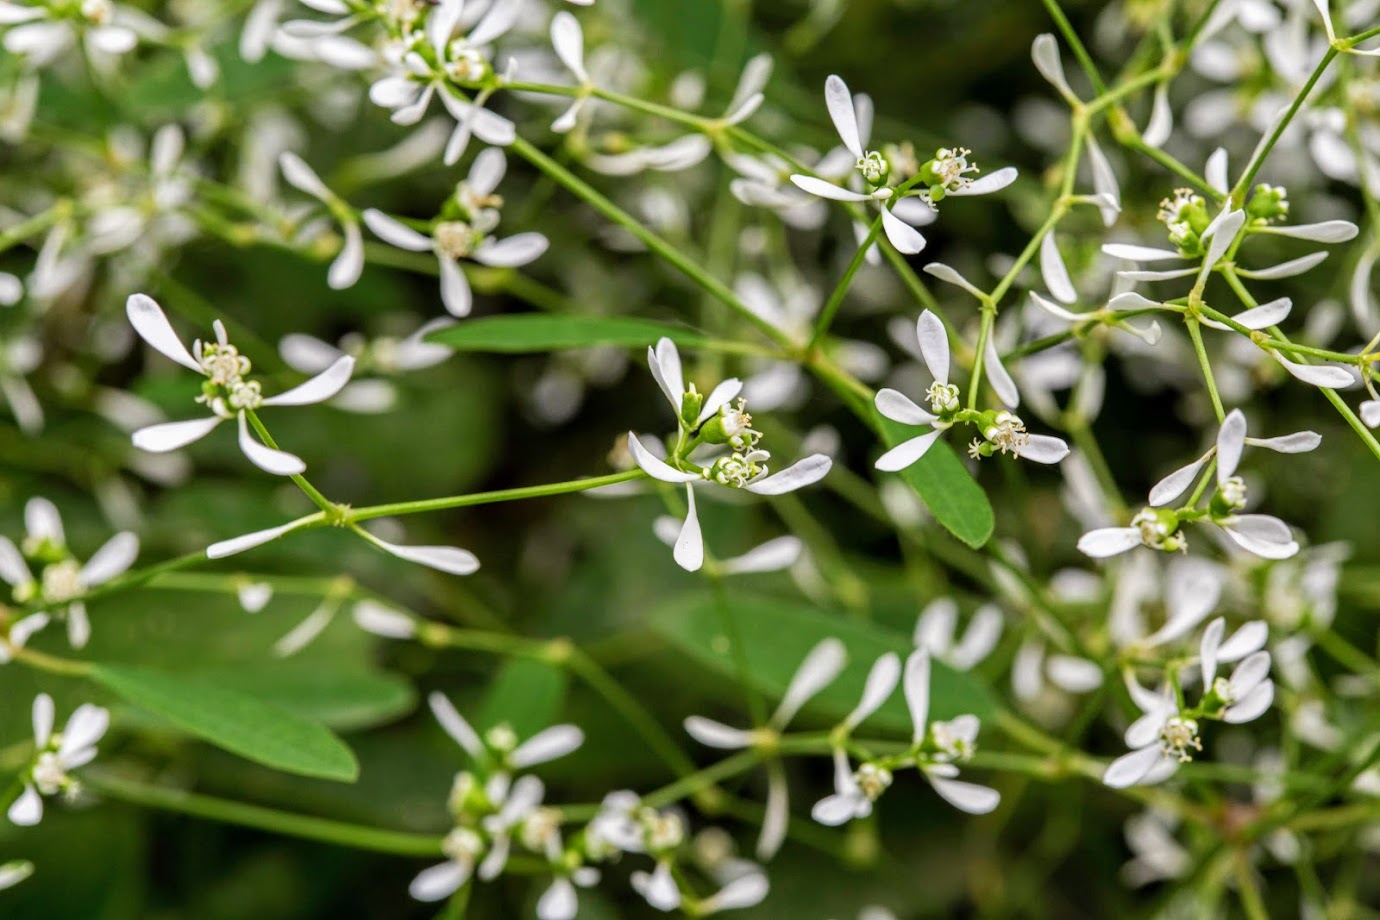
(354, 515)
(831, 306)
(307, 827)
(1238, 191)
(1196, 334)
(298, 479)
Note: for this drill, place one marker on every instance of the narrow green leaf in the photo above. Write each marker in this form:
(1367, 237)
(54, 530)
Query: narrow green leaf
(777, 634)
(341, 698)
(526, 695)
(539, 332)
(952, 495)
(234, 720)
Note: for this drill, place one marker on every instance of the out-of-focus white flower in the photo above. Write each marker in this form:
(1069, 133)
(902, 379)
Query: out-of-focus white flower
(385, 355)
(42, 32)
(56, 755)
(816, 671)
(936, 627)
(349, 263)
(499, 745)
(57, 580)
(14, 872)
(465, 235)
(227, 392)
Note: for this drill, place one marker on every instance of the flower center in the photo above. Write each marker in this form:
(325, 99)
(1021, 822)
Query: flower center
(462, 845)
(1233, 492)
(951, 166)
(48, 774)
(1007, 433)
(874, 167)
(872, 780)
(223, 364)
(943, 397)
(62, 581)
(455, 239)
(1177, 736)
(952, 743)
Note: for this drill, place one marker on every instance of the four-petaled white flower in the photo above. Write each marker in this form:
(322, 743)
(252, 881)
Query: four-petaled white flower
(465, 234)
(56, 754)
(228, 391)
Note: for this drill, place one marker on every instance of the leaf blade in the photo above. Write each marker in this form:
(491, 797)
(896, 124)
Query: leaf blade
(945, 486)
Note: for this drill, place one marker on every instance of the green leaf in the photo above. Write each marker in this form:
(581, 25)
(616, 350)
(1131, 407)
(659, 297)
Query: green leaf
(540, 332)
(777, 634)
(340, 698)
(234, 720)
(527, 695)
(952, 495)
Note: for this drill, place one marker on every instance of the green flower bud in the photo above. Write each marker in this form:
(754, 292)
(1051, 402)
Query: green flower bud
(691, 403)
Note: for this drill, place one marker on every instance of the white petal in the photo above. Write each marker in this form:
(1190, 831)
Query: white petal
(1129, 769)
(881, 681)
(1251, 706)
(840, 104)
(27, 810)
(254, 596)
(302, 177)
(1044, 51)
(395, 233)
(1104, 182)
(1157, 276)
(373, 617)
(934, 345)
(348, 264)
(835, 809)
(1263, 535)
(1261, 317)
(796, 476)
(1161, 123)
(979, 639)
(1284, 269)
(997, 376)
(1249, 673)
(719, 397)
(1370, 413)
(916, 686)
(450, 559)
(12, 567)
(455, 724)
(657, 469)
(819, 669)
(948, 273)
(1175, 484)
(1041, 448)
(153, 327)
(826, 189)
(1132, 253)
(43, 714)
(1216, 170)
(1300, 442)
(992, 182)
(1319, 375)
(899, 408)
(1231, 440)
(772, 556)
(559, 901)
(86, 726)
(43, 522)
(968, 797)
(248, 541)
(689, 548)
(1251, 637)
(1054, 309)
(902, 235)
(307, 354)
(1207, 650)
(1075, 675)
(516, 250)
(547, 744)
(906, 453)
(568, 41)
(455, 288)
(1108, 541)
(115, 556)
(439, 882)
(1327, 231)
(776, 816)
(78, 625)
(1223, 235)
(664, 362)
(172, 435)
(718, 735)
(277, 462)
(319, 388)
(1055, 272)
(499, 18)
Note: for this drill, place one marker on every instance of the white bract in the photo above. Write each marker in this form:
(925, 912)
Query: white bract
(718, 422)
(43, 573)
(464, 230)
(56, 754)
(1001, 431)
(227, 391)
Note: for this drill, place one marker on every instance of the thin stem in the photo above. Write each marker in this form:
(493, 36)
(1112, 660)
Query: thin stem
(354, 515)
(308, 827)
(1238, 191)
(298, 479)
(831, 306)
(1196, 334)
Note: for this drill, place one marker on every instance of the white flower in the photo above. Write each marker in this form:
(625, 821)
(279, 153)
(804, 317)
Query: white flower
(14, 872)
(937, 624)
(943, 744)
(44, 32)
(227, 392)
(500, 745)
(1160, 740)
(384, 355)
(1247, 693)
(469, 236)
(1001, 431)
(713, 420)
(819, 668)
(462, 847)
(61, 581)
(854, 792)
(349, 262)
(882, 172)
(56, 755)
